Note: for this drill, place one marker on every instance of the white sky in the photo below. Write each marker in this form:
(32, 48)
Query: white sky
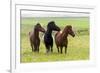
(51, 14)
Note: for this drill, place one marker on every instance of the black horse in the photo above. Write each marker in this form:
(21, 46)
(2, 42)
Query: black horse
(48, 39)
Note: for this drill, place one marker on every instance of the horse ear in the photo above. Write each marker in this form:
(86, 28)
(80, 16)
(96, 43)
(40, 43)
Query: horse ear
(38, 23)
(51, 22)
(69, 26)
(66, 26)
(35, 26)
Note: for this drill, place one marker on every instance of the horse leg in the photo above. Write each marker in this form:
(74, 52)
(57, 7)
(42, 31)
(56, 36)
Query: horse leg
(58, 49)
(61, 48)
(32, 47)
(47, 48)
(35, 48)
(38, 49)
(66, 46)
(31, 44)
(51, 48)
(65, 49)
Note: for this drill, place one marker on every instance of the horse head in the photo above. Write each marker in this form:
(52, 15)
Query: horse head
(39, 27)
(52, 26)
(69, 30)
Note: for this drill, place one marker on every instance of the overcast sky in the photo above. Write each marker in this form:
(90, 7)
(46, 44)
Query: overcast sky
(51, 14)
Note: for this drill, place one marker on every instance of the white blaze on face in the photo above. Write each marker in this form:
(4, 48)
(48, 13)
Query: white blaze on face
(60, 32)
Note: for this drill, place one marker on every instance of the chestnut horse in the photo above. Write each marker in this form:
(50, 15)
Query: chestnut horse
(48, 39)
(34, 37)
(61, 38)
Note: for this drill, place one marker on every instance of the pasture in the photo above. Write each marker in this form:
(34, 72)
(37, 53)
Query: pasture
(78, 47)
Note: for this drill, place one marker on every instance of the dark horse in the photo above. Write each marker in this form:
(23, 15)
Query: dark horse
(61, 38)
(34, 37)
(48, 39)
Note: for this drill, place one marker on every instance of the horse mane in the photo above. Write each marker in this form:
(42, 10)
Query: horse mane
(65, 29)
(36, 25)
(51, 22)
(64, 32)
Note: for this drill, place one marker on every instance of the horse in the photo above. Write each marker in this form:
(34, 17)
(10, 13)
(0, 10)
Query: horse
(48, 39)
(34, 37)
(61, 39)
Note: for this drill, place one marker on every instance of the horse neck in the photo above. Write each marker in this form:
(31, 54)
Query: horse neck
(36, 33)
(49, 32)
(64, 34)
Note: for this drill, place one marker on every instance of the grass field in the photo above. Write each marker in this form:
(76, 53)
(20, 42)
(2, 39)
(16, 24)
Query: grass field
(78, 47)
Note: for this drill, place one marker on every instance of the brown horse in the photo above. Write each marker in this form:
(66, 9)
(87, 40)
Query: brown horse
(34, 37)
(61, 38)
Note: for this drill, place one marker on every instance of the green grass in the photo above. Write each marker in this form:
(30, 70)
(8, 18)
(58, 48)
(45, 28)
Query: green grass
(78, 47)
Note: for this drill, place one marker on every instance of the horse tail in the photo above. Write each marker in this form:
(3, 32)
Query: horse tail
(29, 33)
